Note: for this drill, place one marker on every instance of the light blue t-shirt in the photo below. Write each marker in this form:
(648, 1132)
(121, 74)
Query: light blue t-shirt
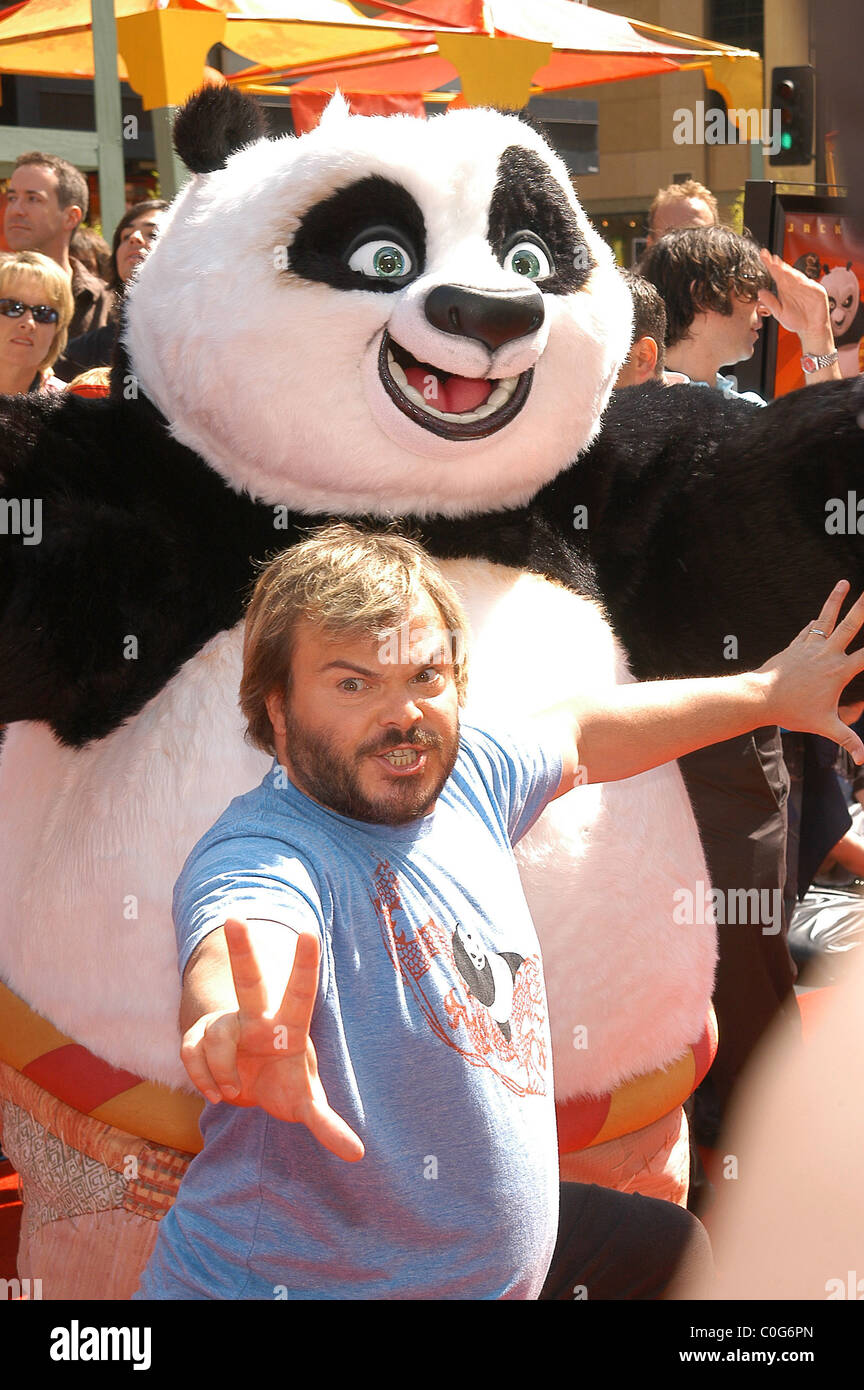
(726, 385)
(431, 1033)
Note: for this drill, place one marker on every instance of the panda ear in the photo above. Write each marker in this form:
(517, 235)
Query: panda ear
(336, 110)
(213, 125)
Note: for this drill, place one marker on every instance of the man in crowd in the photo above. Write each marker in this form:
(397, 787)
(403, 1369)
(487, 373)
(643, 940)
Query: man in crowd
(688, 204)
(357, 923)
(645, 360)
(46, 199)
(716, 288)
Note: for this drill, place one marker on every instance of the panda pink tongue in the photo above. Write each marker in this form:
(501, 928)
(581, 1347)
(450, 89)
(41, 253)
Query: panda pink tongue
(456, 396)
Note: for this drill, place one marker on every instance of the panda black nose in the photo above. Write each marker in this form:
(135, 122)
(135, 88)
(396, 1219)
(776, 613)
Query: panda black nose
(493, 317)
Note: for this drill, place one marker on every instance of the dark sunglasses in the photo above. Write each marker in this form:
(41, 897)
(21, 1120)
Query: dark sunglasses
(15, 309)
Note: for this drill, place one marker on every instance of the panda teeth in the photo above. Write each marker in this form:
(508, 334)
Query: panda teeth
(499, 397)
(414, 395)
(396, 372)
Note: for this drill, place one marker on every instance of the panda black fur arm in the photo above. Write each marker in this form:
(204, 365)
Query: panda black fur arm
(139, 540)
(521, 538)
(717, 530)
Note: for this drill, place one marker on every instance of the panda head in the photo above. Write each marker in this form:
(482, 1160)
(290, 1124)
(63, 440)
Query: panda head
(844, 295)
(385, 315)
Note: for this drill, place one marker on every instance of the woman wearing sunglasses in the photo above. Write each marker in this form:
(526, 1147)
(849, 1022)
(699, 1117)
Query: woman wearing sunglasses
(36, 308)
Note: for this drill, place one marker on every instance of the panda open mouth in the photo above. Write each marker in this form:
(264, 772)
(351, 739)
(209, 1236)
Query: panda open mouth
(454, 407)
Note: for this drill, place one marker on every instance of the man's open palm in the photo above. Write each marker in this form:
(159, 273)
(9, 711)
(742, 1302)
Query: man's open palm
(253, 1057)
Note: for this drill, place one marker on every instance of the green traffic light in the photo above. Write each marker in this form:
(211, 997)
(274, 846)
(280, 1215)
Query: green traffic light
(786, 141)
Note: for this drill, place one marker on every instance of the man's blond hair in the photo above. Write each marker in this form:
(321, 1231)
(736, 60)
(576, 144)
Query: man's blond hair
(679, 192)
(348, 581)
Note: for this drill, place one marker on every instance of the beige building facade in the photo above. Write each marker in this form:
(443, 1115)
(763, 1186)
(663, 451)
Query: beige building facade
(642, 122)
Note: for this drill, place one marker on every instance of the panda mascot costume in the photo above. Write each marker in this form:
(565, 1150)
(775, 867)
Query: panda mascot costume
(843, 289)
(386, 318)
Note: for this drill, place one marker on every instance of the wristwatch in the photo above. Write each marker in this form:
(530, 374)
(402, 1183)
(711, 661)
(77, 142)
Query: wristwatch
(813, 364)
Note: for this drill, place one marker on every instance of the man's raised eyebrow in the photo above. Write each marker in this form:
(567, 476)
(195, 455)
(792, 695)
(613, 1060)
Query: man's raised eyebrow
(347, 666)
(374, 675)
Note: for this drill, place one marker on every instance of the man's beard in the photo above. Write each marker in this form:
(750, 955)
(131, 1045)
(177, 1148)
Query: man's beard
(331, 777)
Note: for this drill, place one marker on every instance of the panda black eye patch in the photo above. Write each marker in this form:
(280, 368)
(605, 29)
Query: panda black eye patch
(528, 198)
(333, 228)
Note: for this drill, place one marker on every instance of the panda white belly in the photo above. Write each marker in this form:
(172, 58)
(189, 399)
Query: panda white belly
(94, 839)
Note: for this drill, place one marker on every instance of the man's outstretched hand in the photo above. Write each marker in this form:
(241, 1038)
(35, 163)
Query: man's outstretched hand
(252, 1057)
(809, 677)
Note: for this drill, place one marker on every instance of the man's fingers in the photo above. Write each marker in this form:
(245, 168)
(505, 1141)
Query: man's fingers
(769, 301)
(333, 1133)
(298, 1001)
(195, 1062)
(245, 969)
(851, 624)
(831, 608)
(848, 739)
(854, 666)
(220, 1049)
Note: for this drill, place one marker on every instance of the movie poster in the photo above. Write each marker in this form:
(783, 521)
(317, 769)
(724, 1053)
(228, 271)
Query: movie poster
(819, 244)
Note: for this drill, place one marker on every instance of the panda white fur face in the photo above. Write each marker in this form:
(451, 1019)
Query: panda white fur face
(844, 295)
(415, 316)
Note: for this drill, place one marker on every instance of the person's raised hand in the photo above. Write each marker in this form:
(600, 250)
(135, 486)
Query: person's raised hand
(807, 679)
(799, 305)
(255, 1057)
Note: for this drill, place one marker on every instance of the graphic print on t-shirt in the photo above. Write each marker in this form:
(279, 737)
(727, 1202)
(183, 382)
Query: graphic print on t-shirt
(496, 1020)
(488, 976)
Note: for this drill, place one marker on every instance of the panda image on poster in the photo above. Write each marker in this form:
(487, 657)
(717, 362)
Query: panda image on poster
(385, 318)
(847, 314)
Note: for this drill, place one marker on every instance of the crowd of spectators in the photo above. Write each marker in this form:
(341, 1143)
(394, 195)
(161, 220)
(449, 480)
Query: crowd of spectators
(46, 208)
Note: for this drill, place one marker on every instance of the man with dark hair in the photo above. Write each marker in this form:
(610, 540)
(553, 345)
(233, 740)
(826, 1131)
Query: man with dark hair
(716, 287)
(46, 200)
(645, 360)
(687, 204)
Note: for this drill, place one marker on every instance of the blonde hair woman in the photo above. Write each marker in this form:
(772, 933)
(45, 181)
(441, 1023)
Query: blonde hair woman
(36, 308)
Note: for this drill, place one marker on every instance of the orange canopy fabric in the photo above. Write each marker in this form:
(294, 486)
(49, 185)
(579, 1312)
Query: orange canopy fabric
(590, 46)
(387, 48)
(307, 106)
(52, 37)
(423, 73)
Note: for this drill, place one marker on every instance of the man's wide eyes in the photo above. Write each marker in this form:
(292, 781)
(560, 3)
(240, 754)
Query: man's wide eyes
(353, 684)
